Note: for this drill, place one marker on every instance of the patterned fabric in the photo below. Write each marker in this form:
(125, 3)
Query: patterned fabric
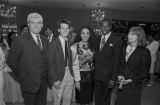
(82, 59)
(102, 42)
(2, 61)
(85, 56)
(39, 42)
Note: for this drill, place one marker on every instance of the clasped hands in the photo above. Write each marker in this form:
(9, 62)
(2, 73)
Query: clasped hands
(57, 85)
(122, 81)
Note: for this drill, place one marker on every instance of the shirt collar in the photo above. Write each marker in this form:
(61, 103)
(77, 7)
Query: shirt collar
(62, 38)
(106, 36)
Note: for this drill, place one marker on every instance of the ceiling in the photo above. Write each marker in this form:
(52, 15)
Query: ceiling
(132, 5)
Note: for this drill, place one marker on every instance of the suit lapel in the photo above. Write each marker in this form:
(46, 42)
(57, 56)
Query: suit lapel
(107, 42)
(44, 43)
(132, 54)
(59, 48)
(32, 41)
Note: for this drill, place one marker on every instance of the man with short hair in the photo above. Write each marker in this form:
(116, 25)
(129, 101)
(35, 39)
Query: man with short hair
(27, 59)
(49, 34)
(107, 60)
(24, 29)
(60, 73)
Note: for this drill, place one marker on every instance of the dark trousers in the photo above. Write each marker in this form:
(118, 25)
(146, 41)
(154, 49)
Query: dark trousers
(39, 98)
(101, 91)
(108, 98)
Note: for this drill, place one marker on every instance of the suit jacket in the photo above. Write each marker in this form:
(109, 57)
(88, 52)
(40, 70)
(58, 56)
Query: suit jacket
(56, 62)
(51, 38)
(28, 61)
(137, 66)
(107, 60)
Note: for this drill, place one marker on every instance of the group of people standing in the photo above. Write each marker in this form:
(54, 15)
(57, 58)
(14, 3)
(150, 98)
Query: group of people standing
(92, 64)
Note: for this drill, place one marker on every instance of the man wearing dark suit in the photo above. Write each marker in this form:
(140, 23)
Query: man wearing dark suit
(60, 72)
(49, 34)
(27, 59)
(107, 60)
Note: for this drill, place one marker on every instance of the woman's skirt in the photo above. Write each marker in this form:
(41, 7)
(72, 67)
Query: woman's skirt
(85, 95)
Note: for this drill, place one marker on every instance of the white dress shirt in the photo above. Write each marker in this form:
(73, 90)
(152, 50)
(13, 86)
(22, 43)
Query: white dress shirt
(35, 38)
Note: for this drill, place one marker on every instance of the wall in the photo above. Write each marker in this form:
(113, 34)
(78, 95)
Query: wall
(80, 17)
(52, 15)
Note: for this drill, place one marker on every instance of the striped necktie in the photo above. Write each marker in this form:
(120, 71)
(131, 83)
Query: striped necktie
(102, 42)
(39, 42)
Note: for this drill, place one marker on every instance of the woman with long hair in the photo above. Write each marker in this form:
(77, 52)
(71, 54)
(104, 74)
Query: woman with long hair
(83, 52)
(135, 65)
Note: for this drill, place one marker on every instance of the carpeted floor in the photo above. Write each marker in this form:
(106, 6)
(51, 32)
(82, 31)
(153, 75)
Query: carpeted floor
(150, 96)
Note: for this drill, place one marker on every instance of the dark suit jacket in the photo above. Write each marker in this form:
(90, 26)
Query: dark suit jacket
(28, 61)
(107, 60)
(137, 66)
(56, 62)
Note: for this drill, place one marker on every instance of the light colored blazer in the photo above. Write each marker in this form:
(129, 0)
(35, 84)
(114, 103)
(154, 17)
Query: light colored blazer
(153, 48)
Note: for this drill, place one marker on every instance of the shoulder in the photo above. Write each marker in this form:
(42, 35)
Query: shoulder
(156, 43)
(19, 38)
(74, 46)
(116, 38)
(44, 37)
(143, 50)
(53, 43)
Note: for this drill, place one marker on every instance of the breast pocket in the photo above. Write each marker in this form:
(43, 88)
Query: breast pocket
(108, 50)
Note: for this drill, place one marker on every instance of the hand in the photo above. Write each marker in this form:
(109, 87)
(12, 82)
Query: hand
(57, 85)
(111, 84)
(120, 78)
(127, 81)
(78, 85)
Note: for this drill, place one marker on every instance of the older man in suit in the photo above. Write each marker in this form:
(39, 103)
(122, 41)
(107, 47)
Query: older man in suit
(60, 72)
(107, 60)
(27, 59)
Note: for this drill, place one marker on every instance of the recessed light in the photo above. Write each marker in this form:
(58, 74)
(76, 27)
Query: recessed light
(98, 4)
(141, 7)
(34, 2)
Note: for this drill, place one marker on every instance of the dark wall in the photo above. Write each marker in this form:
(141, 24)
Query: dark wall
(52, 15)
(80, 17)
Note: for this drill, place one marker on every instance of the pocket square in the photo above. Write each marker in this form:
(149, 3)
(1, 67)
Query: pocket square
(110, 44)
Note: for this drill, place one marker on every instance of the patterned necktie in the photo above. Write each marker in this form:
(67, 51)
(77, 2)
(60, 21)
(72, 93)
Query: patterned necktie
(66, 54)
(102, 42)
(39, 42)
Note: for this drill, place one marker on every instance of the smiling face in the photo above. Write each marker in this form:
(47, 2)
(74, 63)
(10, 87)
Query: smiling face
(106, 27)
(85, 34)
(64, 30)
